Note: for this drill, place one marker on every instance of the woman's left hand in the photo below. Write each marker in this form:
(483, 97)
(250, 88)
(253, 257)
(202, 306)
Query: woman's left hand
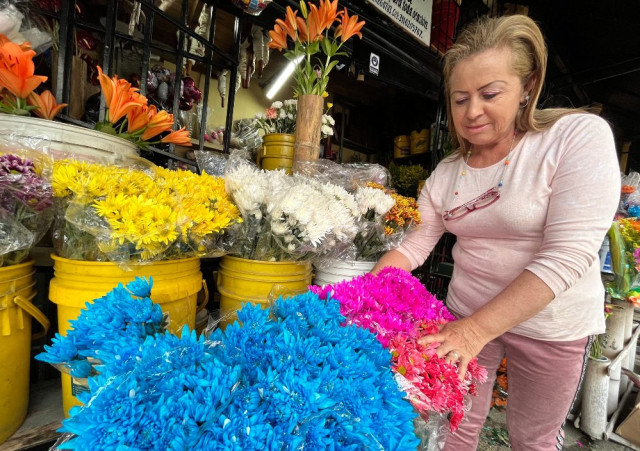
(459, 341)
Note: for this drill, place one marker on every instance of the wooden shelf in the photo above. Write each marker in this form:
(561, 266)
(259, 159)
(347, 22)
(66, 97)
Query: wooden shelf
(44, 418)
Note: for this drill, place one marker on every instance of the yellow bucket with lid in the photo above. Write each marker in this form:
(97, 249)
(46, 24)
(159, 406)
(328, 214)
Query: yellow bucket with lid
(176, 285)
(17, 290)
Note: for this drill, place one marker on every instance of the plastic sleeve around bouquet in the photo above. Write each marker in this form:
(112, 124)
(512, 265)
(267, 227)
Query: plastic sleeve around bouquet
(26, 198)
(350, 176)
(239, 390)
(131, 216)
(211, 162)
(622, 262)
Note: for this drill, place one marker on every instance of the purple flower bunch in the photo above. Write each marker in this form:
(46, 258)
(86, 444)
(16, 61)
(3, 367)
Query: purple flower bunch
(26, 197)
(20, 181)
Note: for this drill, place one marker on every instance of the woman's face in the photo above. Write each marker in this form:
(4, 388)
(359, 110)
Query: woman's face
(485, 97)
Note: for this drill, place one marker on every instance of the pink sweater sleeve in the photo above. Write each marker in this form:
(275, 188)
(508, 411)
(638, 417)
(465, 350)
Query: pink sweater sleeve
(418, 244)
(585, 193)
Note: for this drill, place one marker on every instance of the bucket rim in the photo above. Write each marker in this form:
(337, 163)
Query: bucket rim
(70, 261)
(278, 263)
(25, 264)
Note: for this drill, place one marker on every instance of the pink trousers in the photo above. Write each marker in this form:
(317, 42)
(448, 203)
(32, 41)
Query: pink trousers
(543, 378)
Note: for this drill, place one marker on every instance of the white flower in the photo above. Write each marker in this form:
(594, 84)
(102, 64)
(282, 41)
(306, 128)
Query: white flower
(326, 130)
(373, 199)
(282, 114)
(291, 102)
(260, 116)
(277, 104)
(290, 116)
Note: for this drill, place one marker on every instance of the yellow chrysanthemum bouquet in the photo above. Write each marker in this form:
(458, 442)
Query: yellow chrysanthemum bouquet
(139, 213)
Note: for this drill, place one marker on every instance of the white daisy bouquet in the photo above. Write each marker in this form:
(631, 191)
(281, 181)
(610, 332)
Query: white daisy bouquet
(288, 218)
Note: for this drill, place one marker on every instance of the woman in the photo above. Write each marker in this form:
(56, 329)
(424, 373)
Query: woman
(529, 196)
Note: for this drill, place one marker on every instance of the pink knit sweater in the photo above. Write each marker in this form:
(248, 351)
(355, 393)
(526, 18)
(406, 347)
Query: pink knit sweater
(558, 199)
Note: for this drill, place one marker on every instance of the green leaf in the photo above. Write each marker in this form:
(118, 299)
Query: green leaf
(326, 46)
(313, 48)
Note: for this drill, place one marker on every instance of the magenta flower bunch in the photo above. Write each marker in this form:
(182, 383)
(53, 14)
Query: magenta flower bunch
(396, 307)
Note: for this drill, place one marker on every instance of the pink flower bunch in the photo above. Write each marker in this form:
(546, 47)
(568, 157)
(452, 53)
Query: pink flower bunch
(396, 307)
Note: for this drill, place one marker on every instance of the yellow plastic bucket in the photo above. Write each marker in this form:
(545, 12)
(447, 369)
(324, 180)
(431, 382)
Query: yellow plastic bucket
(241, 280)
(401, 146)
(176, 284)
(16, 292)
(277, 151)
(419, 141)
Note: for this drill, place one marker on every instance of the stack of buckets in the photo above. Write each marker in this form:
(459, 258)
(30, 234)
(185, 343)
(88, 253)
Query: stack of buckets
(401, 146)
(16, 310)
(176, 285)
(419, 141)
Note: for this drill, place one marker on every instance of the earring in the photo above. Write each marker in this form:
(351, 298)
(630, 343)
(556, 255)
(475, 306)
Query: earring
(526, 102)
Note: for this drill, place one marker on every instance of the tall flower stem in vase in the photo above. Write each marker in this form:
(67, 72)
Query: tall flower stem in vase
(308, 124)
(304, 40)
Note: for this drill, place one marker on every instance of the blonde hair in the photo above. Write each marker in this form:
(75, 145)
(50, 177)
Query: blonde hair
(523, 37)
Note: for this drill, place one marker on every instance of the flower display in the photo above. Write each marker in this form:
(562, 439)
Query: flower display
(398, 309)
(406, 178)
(311, 34)
(126, 107)
(280, 117)
(26, 198)
(280, 223)
(385, 218)
(109, 213)
(624, 238)
(18, 82)
(290, 377)
(124, 315)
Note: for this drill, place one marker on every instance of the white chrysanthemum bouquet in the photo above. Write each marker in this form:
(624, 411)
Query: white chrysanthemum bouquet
(289, 218)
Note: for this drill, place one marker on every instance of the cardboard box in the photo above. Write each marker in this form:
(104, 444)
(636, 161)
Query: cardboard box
(630, 428)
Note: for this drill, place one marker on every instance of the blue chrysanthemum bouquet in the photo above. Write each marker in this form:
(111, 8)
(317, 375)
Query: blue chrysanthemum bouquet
(108, 328)
(290, 377)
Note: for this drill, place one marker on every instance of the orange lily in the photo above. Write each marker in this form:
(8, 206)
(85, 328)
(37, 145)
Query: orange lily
(328, 13)
(278, 38)
(302, 29)
(158, 123)
(120, 97)
(24, 46)
(289, 24)
(348, 27)
(16, 70)
(180, 137)
(138, 118)
(47, 107)
(315, 21)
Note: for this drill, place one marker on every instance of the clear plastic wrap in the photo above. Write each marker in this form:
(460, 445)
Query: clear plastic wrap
(348, 175)
(17, 26)
(26, 197)
(385, 219)
(289, 376)
(129, 215)
(279, 220)
(211, 162)
(630, 195)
